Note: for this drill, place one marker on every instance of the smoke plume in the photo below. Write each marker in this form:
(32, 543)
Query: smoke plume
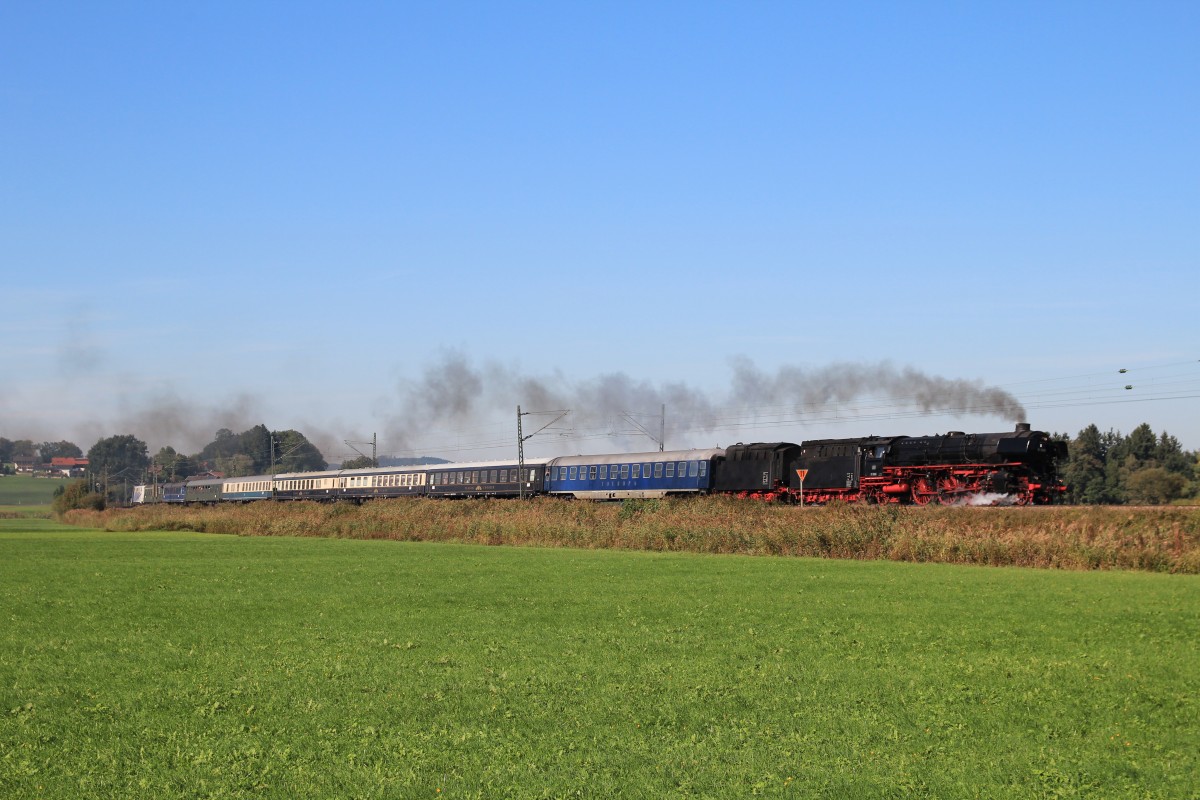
(455, 392)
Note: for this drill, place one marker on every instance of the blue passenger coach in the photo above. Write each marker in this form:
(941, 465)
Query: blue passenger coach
(174, 492)
(615, 477)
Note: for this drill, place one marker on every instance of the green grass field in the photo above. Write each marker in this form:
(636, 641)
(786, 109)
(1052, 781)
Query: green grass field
(195, 665)
(26, 490)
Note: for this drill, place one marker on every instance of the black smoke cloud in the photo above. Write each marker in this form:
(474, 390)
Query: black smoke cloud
(455, 392)
(843, 383)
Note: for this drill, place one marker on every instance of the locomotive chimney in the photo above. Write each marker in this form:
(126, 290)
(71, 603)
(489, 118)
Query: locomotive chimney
(1022, 427)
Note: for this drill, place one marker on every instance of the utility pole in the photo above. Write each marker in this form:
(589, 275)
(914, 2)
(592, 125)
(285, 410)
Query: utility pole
(521, 442)
(662, 426)
(374, 448)
(520, 455)
(662, 429)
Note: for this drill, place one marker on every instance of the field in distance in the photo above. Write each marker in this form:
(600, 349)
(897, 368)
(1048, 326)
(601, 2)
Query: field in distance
(26, 490)
(158, 664)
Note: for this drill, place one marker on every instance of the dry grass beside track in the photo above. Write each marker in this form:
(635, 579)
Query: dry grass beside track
(1165, 539)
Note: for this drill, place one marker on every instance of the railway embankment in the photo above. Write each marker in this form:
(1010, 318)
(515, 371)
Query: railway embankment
(1160, 539)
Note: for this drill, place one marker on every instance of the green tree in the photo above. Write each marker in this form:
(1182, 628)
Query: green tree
(21, 447)
(236, 466)
(1170, 456)
(1141, 444)
(163, 463)
(1084, 473)
(256, 443)
(64, 449)
(361, 462)
(172, 466)
(77, 494)
(116, 461)
(1154, 486)
(226, 444)
(294, 453)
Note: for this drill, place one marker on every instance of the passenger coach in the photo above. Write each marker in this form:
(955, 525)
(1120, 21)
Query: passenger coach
(486, 479)
(615, 477)
(247, 488)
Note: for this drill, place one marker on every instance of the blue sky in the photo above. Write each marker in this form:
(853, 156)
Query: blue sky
(406, 219)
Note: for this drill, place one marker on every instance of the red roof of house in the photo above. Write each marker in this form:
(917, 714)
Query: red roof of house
(63, 461)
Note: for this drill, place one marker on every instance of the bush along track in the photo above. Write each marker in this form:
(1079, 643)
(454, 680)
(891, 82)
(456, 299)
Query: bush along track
(1163, 539)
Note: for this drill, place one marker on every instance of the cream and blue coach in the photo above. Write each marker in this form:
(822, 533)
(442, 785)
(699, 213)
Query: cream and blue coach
(247, 488)
(370, 482)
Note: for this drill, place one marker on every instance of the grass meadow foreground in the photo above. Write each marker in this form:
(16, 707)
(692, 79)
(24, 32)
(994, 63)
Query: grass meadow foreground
(198, 665)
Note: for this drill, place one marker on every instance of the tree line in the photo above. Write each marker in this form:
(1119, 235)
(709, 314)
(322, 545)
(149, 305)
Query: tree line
(1140, 468)
(1103, 468)
(118, 462)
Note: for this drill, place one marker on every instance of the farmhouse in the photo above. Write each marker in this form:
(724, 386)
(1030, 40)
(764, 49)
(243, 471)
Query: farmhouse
(26, 463)
(71, 467)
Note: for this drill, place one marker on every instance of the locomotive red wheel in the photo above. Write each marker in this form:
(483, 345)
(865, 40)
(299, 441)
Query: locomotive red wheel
(923, 492)
(950, 489)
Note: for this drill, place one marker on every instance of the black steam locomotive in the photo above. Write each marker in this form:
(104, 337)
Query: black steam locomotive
(1020, 467)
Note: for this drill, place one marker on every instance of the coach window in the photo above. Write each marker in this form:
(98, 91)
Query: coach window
(682, 468)
(637, 470)
(703, 468)
(592, 473)
(670, 469)
(693, 469)
(658, 469)
(572, 473)
(604, 472)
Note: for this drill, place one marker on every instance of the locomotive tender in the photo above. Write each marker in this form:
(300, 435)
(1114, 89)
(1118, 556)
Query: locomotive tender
(1018, 467)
